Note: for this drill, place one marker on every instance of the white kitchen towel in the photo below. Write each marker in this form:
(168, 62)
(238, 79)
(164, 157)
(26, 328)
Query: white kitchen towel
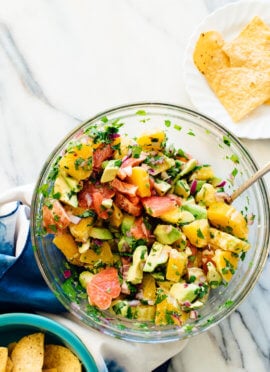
(25, 290)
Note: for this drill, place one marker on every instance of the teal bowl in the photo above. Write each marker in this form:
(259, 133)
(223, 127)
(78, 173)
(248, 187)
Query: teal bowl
(13, 326)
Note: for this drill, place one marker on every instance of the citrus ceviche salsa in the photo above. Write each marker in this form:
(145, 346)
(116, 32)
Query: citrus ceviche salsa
(145, 224)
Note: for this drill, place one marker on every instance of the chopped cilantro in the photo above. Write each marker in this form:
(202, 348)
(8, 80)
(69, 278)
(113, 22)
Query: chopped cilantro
(167, 123)
(141, 112)
(226, 140)
(200, 234)
(177, 127)
(234, 158)
(104, 119)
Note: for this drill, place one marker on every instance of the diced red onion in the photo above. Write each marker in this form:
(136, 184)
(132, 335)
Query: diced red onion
(134, 303)
(193, 314)
(97, 242)
(88, 199)
(221, 184)
(128, 171)
(74, 219)
(187, 303)
(67, 274)
(193, 187)
(114, 135)
(250, 219)
(124, 159)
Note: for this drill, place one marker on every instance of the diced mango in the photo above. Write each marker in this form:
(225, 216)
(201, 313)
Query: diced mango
(203, 173)
(227, 242)
(176, 266)
(168, 312)
(152, 140)
(126, 144)
(140, 178)
(226, 217)
(172, 216)
(116, 217)
(77, 162)
(81, 230)
(149, 287)
(103, 254)
(226, 263)
(67, 245)
(197, 232)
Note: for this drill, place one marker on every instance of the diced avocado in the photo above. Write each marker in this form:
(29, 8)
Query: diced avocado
(85, 277)
(182, 189)
(184, 292)
(187, 168)
(158, 255)
(227, 242)
(144, 313)
(164, 164)
(124, 244)
(135, 271)
(189, 200)
(110, 171)
(122, 308)
(213, 277)
(127, 223)
(84, 246)
(199, 185)
(196, 275)
(107, 203)
(67, 187)
(167, 234)
(100, 233)
(186, 217)
(198, 211)
(161, 187)
(192, 306)
(181, 243)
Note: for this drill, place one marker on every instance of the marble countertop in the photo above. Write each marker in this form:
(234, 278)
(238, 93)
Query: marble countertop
(62, 61)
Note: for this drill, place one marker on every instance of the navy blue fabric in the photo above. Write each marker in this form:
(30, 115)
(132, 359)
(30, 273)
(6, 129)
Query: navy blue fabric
(22, 287)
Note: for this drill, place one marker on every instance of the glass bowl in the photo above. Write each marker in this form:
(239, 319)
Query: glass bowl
(211, 144)
(14, 326)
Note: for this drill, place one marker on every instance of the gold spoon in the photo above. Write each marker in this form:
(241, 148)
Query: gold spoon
(261, 172)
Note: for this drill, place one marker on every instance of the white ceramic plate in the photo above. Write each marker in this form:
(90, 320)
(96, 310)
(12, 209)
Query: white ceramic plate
(229, 21)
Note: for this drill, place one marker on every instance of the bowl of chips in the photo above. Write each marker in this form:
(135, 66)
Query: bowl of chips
(30, 342)
(132, 230)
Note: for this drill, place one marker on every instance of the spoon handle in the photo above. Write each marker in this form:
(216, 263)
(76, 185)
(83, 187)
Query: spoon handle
(250, 181)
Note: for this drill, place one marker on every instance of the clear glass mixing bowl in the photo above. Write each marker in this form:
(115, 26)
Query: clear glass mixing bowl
(208, 142)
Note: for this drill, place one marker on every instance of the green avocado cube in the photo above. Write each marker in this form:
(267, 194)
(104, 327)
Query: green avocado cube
(167, 234)
(158, 255)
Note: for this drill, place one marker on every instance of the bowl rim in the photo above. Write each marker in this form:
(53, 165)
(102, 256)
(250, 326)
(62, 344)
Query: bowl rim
(253, 164)
(57, 329)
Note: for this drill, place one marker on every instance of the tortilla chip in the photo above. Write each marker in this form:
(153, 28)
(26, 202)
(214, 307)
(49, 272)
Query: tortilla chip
(62, 358)
(28, 354)
(50, 370)
(3, 358)
(240, 89)
(208, 55)
(249, 47)
(9, 365)
(11, 347)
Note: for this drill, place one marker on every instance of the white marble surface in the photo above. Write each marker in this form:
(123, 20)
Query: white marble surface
(62, 61)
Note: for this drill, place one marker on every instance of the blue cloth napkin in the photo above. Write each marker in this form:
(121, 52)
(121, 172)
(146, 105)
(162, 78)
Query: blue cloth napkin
(22, 288)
